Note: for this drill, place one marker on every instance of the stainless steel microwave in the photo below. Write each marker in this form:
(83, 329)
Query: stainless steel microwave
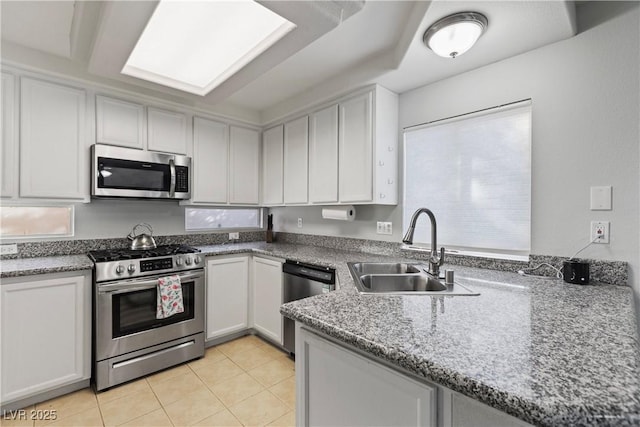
(126, 172)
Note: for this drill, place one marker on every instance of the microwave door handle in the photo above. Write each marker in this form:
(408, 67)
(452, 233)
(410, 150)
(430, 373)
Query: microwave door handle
(172, 188)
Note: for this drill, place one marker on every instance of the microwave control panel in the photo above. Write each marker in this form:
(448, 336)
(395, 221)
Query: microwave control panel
(182, 179)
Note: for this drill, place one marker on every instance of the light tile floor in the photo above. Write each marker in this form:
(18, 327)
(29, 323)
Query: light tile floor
(242, 382)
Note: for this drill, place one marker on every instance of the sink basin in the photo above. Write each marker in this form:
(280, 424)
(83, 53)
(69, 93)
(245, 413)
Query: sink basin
(364, 268)
(384, 278)
(401, 283)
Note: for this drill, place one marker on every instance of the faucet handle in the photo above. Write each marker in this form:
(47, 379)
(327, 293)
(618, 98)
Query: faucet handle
(438, 260)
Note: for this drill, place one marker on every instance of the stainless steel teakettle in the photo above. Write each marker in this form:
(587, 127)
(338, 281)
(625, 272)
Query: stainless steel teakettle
(142, 241)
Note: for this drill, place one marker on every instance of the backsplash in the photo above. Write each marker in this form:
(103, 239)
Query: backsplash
(612, 272)
(72, 247)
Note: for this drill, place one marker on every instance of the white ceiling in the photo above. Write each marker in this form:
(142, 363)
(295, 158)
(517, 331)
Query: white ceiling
(339, 44)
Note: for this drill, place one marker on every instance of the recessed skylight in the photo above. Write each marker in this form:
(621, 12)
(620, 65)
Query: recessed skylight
(194, 46)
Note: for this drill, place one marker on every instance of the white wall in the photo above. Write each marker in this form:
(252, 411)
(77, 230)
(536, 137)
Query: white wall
(585, 94)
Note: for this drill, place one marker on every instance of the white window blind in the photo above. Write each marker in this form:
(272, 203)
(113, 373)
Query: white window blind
(474, 173)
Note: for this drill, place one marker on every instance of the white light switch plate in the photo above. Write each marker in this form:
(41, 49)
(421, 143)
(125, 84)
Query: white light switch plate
(601, 198)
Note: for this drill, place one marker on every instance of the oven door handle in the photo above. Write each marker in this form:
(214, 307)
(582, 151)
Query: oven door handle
(131, 286)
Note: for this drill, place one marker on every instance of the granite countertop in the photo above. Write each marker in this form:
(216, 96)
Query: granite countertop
(543, 350)
(43, 265)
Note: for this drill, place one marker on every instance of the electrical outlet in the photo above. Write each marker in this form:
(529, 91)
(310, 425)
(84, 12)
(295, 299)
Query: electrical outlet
(234, 236)
(299, 222)
(600, 231)
(384, 227)
(8, 249)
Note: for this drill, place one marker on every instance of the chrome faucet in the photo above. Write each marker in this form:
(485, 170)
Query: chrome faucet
(435, 260)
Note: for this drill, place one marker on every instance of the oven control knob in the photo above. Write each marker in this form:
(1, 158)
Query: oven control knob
(179, 261)
(196, 260)
(131, 268)
(120, 269)
(188, 260)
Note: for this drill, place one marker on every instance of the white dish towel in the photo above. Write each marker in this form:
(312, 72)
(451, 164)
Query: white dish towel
(169, 297)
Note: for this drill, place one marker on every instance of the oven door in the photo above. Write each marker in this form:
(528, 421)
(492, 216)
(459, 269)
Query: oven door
(126, 314)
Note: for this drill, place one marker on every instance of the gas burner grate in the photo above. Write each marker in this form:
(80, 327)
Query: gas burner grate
(126, 254)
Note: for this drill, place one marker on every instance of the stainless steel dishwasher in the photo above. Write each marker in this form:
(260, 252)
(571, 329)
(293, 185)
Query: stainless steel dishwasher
(302, 281)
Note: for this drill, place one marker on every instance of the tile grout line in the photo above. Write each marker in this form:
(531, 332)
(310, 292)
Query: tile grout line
(158, 399)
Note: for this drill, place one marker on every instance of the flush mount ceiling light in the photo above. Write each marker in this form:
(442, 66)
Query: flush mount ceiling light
(195, 46)
(453, 35)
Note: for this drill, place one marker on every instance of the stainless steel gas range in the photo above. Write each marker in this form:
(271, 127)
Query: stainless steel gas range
(129, 341)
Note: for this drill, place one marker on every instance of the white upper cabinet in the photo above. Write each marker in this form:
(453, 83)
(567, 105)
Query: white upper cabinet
(296, 157)
(9, 143)
(356, 150)
(345, 153)
(166, 131)
(323, 156)
(368, 141)
(210, 161)
(272, 162)
(119, 123)
(53, 152)
(244, 166)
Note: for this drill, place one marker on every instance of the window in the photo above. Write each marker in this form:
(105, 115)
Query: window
(36, 221)
(222, 218)
(474, 173)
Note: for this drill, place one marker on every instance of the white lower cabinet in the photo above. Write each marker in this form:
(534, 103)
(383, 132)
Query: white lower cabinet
(227, 295)
(45, 340)
(267, 298)
(461, 411)
(337, 387)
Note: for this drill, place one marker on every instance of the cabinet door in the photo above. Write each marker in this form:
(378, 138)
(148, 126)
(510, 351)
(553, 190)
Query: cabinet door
(323, 156)
(227, 296)
(119, 123)
(461, 411)
(167, 131)
(296, 155)
(267, 298)
(358, 391)
(210, 161)
(46, 335)
(356, 150)
(8, 144)
(53, 155)
(244, 166)
(272, 166)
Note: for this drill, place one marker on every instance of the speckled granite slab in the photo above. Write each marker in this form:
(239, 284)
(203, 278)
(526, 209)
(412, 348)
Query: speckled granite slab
(44, 265)
(547, 352)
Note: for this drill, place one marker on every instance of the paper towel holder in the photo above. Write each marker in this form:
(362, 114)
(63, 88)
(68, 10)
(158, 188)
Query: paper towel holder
(341, 213)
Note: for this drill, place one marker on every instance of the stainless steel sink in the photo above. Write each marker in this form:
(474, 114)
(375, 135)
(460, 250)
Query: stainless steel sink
(362, 268)
(401, 283)
(401, 279)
